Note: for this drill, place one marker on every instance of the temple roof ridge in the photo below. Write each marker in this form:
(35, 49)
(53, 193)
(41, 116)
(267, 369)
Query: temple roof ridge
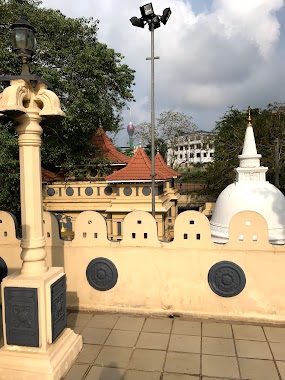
(105, 145)
(138, 169)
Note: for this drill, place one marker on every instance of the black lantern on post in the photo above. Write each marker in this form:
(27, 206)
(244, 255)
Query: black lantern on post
(24, 45)
(23, 41)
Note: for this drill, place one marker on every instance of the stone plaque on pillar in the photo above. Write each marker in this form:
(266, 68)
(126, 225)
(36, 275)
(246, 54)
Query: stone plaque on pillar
(21, 316)
(58, 307)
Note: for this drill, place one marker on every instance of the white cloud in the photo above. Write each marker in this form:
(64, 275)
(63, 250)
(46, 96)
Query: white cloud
(225, 55)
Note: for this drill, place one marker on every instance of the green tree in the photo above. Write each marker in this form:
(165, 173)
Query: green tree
(90, 79)
(268, 125)
(170, 126)
(173, 125)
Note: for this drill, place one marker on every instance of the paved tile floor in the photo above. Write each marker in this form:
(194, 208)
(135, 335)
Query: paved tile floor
(120, 347)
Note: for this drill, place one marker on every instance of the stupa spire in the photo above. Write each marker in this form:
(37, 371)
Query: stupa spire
(249, 161)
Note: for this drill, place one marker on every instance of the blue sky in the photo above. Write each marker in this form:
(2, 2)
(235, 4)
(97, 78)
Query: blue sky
(213, 54)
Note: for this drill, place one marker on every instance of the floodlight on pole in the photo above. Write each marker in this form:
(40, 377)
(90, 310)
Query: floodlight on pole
(153, 21)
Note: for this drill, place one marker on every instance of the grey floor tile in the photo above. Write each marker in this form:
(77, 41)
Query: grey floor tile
(248, 332)
(176, 376)
(220, 366)
(103, 321)
(278, 350)
(122, 338)
(185, 343)
(219, 378)
(275, 334)
(180, 362)
(217, 330)
(141, 375)
(76, 372)
(129, 323)
(78, 319)
(147, 360)
(104, 373)
(186, 327)
(255, 369)
(92, 335)
(157, 325)
(218, 346)
(155, 341)
(114, 357)
(281, 368)
(88, 353)
(253, 349)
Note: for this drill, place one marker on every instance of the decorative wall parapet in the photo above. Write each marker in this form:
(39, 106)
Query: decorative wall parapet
(240, 280)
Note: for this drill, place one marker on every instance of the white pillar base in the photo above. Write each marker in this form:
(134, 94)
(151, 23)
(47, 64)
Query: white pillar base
(50, 365)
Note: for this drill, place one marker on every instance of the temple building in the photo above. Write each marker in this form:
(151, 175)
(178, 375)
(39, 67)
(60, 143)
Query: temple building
(251, 192)
(126, 189)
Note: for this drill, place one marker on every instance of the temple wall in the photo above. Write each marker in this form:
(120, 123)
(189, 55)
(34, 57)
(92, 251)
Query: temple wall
(171, 278)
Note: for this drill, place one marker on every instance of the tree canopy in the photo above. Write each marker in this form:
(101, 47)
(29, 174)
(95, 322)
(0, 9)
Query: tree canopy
(268, 125)
(91, 80)
(170, 125)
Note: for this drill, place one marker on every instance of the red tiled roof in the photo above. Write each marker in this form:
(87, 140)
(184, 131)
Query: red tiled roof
(138, 169)
(105, 145)
(48, 176)
(161, 165)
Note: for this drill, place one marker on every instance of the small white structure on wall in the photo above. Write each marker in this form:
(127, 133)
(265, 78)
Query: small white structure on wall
(251, 192)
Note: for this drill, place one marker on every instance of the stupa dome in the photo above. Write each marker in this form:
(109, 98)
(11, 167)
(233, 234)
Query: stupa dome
(251, 192)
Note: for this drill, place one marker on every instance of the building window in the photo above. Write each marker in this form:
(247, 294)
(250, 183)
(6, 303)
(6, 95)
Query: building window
(108, 190)
(191, 155)
(51, 191)
(89, 191)
(205, 154)
(146, 191)
(69, 191)
(128, 191)
(211, 154)
(181, 156)
(198, 155)
(119, 227)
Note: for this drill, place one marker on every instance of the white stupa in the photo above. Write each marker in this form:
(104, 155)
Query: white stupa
(251, 192)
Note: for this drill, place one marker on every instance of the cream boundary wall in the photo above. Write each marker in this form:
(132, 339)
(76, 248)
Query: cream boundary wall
(164, 278)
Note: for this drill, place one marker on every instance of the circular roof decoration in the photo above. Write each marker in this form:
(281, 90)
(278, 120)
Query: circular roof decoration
(102, 274)
(226, 279)
(89, 191)
(108, 190)
(128, 191)
(69, 191)
(50, 191)
(3, 269)
(146, 190)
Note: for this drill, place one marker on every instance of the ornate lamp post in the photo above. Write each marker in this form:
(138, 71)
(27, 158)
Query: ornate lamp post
(153, 21)
(33, 299)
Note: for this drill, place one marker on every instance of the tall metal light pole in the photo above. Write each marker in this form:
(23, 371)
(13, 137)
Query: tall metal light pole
(153, 21)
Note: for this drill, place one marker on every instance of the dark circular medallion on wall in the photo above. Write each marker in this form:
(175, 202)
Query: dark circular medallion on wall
(69, 191)
(146, 191)
(3, 269)
(108, 190)
(88, 191)
(226, 279)
(102, 274)
(128, 191)
(50, 191)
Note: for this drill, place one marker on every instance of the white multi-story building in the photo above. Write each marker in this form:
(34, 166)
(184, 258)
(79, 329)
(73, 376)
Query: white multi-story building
(193, 148)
